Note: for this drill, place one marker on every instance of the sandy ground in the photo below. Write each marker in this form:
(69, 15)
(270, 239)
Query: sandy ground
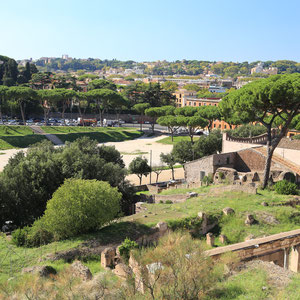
(143, 145)
(129, 149)
(7, 154)
(164, 176)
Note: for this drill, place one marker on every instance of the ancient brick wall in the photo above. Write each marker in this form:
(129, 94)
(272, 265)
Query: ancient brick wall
(250, 160)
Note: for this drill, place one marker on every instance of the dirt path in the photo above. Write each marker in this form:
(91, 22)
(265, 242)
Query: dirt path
(129, 149)
(142, 147)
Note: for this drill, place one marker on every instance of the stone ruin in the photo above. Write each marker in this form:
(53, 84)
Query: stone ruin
(232, 176)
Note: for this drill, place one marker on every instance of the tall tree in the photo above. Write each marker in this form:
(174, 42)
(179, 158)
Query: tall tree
(140, 108)
(276, 96)
(103, 99)
(101, 84)
(48, 99)
(154, 113)
(140, 167)
(64, 99)
(22, 96)
(210, 113)
(170, 160)
(171, 122)
(187, 117)
(3, 97)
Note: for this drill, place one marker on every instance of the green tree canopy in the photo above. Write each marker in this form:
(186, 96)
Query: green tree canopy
(140, 167)
(278, 96)
(81, 206)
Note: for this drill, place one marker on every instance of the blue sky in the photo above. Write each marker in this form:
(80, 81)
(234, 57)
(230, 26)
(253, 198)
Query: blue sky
(244, 30)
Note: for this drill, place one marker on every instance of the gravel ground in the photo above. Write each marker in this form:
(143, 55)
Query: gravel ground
(277, 276)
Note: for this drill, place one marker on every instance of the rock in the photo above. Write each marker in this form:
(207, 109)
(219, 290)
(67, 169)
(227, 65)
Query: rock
(145, 216)
(201, 214)
(42, 271)
(192, 194)
(228, 211)
(223, 239)
(80, 270)
(249, 220)
(118, 250)
(108, 257)
(122, 271)
(264, 204)
(249, 237)
(210, 239)
(162, 226)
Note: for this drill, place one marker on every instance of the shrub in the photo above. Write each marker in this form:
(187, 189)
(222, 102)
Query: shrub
(189, 223)
(125, 248)
(169, 202)
(208, 179)
(285, 187)
(81, 206)
(38, 235)
(179, 269)
(19, 236)
(221, 175)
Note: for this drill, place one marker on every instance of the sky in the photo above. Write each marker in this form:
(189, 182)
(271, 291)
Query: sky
(214, 30)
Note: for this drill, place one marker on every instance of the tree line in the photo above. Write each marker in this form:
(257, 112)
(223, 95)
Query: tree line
(63, 96)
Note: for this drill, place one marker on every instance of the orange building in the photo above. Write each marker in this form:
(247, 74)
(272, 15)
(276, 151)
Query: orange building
(188, 98)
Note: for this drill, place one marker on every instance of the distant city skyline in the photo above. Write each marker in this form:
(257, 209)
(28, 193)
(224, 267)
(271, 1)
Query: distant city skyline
(216, 30)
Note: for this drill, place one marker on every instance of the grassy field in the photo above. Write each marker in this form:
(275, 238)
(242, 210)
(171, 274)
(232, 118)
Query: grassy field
(271, 219)
(12, 137)
(102, 135)
(168, 140)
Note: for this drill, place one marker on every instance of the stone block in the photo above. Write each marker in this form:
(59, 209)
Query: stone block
(228, 211)
(80, 270)
(223, 239)
(108, 257)
(123, 271)
(210, 239)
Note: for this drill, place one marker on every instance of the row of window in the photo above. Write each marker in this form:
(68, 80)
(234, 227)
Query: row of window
(203, 104)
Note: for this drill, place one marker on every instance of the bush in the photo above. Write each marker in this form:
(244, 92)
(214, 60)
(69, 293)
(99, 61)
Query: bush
(190, 223)
(125, 248)
(285, 187)
(179, 269)
(32, 236)
(81, 206)
(169, 202)
(38, 235)
(208, 179)
(19, 236)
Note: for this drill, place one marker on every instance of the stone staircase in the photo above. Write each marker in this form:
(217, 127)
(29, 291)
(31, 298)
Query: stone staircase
(51, 137)
(277, 158)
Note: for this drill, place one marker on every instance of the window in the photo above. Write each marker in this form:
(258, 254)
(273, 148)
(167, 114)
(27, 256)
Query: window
(228, 160)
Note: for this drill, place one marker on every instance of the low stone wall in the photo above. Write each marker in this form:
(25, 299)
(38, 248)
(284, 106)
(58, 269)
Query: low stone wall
(179, 198)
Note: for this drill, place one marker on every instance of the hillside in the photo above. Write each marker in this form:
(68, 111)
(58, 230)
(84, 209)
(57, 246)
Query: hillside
(255, 280)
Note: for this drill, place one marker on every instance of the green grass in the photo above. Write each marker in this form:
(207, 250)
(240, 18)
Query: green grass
(168, 140)
(12, 137)
(13, 258)
(233, 227)
(245, 285)
(6, 130)
(102, 135)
